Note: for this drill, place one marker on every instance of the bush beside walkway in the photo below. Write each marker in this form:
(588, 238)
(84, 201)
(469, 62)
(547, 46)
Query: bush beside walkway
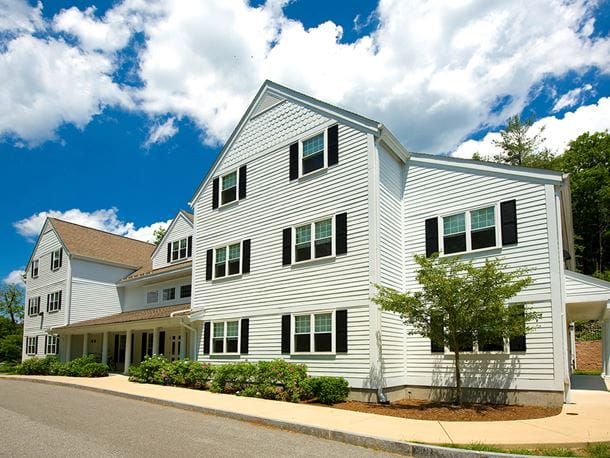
(86, 366)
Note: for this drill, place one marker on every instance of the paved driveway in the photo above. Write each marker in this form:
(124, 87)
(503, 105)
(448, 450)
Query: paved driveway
(45, 420)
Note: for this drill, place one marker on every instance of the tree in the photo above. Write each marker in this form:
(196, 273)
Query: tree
(159, 233)
(522, 147)
(587, 160)
(460, 304)
(11, 337)
(11, 302)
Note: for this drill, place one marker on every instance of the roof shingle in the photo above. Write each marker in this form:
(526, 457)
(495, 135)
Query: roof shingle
(135, 315)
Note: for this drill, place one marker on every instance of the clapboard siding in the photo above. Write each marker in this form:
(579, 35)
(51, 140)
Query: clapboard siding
(272, 204)
(93, 300)
(180, 230)
(583, 286)
(431, 192)
(134, 296)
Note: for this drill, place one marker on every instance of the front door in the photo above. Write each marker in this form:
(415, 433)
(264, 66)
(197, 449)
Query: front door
(174, 347)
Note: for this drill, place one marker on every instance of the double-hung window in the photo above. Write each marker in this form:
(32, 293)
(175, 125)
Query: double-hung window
(52, 344)
(227, 260)
(30, 345)
(229, 188)
(225, 337)
(56, 259)
(54, 301)
(179, 249)
(470, 230)
(35, 264)
(314, 240)
(33, 306)
(313, 333)
(313, 154)
(169, 294)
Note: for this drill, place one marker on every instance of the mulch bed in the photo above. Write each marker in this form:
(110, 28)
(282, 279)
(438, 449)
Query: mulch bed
(440, 411)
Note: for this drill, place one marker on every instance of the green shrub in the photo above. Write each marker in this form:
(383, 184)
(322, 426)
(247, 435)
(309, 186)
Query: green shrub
(328, 390)
(233, 378)
(198, 375)
(154, 369)
(87, 366)
(37, 366)
(8, 368)
(279, 373)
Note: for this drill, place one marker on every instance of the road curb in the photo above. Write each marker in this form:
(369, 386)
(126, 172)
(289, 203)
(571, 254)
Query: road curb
(373, 442)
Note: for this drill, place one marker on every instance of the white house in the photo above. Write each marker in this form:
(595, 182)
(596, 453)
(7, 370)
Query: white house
(308, 206)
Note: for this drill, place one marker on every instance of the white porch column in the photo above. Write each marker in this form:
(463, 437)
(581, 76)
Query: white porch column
(127, 351)
(105, 347)
(572, 347)
(193, 345)
(85, 343)
(68, 350)
(182, 343)
(606, 348)
(156, 341)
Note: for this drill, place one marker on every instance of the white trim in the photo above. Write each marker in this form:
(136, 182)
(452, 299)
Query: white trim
(324, 134)
(171, 250)
(163, 242)
(47, 344)
(468, 230)
(226, 262)
(224, 338)
(37, 261)
(312, 240)
(221, 177)
(29, 345)
(312, 315)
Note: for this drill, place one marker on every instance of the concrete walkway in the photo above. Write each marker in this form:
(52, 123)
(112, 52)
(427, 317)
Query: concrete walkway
(586, 420)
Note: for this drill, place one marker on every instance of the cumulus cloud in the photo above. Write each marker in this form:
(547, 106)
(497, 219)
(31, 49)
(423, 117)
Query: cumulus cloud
(19, 16)
(103, 219)
(16, 277)
(161, 132)
(571, 98)
(558, 131)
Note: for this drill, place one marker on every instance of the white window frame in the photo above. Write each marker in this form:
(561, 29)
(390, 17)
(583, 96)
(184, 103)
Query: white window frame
(54, 303)
(224, 344)
(35, 268)
(152, 292)
(30, 344)
(226, 262)
(333, 331)
(325, 153)
(312, 240)
(220, 179)
(467, 220)
(167, 290)
(56, 256)
(33, 303)
(51, 343)
(178, 257)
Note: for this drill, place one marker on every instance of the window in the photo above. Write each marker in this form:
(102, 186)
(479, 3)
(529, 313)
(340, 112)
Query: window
(30, 345)
(54, 301)
(313, 333)
(152, 297)
(225, 338)
(33, 306)
(469, 231)
(312, 154)
(169, 294)
(179, 249)
(308, 247)
(229, 188)
(52, 344)
(35, 268)
(56, 259)
(185, 291)
(227, 260)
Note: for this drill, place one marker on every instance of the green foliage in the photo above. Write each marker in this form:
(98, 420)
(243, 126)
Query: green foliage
(10, 347)
(87, 366)
(588, 330)
(585, 372)
(11, 302)
(460, 302)
(328, 390)
(154, 369)
(289, 376)
(37, 366)
(158, 370)
(8, 368)
(158, 234)
(232, 378)
(600, 450)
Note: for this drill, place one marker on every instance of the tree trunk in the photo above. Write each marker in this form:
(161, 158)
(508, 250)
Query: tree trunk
(458, 379)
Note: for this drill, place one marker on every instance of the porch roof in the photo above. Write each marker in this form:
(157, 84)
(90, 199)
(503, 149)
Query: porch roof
(147, 271)
(587, 298)
(135, 315)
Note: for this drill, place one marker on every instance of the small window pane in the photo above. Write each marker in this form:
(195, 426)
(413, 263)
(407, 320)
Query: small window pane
(482, 218)
(455, 243)
(312, 163)
(234, 251)
(302, 343)
(232, 345)
(323, 248)
(323, 342)
(218, 345)
(454, 224)
(483, 238)
(303, 234)
(313, 145)
(324, 229)
(169, 294)
(232, 328)
(302, 324)
(185, 291)
(221, 255)
(229, 195)
(323, 322)
(229, 181)
(219, 329)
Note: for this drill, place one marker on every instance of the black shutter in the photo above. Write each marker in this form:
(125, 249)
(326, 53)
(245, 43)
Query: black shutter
(48, 301)
(431, 236)
(59, 306)
(245, 330)
(294, 161)
(36, 345)
(169, 252)
(215, 190)
(208, 264)
(287, 246)
(162, 342)
(508, 214)
(61, 256)
(333, 145)
(46, 342)
(245, 260)
(341, 233)
(143, 349)
(242, 182)
(341, 324)
(116, 349)
(206, 338)
(517, 343)
(189, 246)
(286, 334)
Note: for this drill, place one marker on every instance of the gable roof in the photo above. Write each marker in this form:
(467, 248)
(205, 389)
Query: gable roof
(189, 217)
(147, 271)
(86, 242)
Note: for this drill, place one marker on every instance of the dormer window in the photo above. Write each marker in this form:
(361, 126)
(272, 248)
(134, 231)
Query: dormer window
(35, 268)
(56, 258)
(179, 249)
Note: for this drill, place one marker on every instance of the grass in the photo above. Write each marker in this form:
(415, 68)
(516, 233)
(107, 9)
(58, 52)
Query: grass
(601, 450)
(580, 372)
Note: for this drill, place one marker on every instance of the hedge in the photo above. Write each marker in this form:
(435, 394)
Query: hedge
(86, 366)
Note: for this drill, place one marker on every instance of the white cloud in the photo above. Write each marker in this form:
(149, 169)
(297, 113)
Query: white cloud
(103, 219)
(16, 277)
(19, 16)
(47, 82)
(571, 98)
(161, 132)
(558, 131)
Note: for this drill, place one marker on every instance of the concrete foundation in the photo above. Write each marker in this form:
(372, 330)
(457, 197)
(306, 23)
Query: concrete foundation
(469, 395)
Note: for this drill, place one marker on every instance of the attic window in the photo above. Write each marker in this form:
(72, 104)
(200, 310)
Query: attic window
(179, 249)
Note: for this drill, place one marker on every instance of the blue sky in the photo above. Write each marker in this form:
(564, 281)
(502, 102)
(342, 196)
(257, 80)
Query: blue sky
(112, 112)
